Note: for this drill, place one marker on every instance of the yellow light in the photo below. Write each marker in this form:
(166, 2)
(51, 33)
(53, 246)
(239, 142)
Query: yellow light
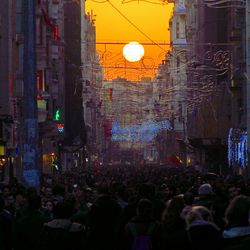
(2, 150)
(2, 162)
(133, 52)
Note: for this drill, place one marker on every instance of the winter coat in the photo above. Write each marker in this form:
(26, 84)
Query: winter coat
(6, 230)
(175, 236)
(204, 235)
(62, 234)
(28, 230)
(142, 226)
(102, 222)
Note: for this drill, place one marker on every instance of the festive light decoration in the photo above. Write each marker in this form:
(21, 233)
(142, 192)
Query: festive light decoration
(144, 132)
(237, 148)
(218, 4)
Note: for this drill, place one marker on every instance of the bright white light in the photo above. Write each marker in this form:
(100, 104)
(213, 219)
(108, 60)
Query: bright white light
(133, 52)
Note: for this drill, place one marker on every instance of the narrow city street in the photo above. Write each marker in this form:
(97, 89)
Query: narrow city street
(124, 124)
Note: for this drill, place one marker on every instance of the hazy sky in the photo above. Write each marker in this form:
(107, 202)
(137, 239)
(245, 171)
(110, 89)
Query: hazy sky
(111, 26)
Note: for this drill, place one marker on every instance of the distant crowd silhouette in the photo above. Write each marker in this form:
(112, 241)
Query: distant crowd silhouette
(127, 208)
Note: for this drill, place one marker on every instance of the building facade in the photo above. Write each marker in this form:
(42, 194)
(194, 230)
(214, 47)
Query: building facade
(60, 115)
(204, 76)
(92, 101)
(212, 77)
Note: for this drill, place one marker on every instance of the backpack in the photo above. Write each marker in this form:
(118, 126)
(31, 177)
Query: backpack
(141, 241)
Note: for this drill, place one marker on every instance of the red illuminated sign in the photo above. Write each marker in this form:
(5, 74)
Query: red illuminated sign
(60, 127)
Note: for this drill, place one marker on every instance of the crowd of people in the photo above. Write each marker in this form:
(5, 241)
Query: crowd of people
(127, 208)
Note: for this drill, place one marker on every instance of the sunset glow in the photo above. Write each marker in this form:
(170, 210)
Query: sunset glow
(117, 24)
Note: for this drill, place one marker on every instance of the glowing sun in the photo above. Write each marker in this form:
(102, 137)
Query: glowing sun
(133, 52)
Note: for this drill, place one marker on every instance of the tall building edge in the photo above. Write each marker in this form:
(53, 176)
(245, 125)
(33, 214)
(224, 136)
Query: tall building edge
(248, 83)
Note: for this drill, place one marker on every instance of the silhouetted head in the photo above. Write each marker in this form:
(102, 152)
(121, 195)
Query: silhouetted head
(34, 201)
(200, 213)
(237, 213)
(205, 190)
(63, 209)
(146, 190)
(188, 198)
(145, 208)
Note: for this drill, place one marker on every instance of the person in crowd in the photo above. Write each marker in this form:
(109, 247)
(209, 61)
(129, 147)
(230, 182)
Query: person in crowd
(188, 200)
(48, 192)
(21, 202)
(6, 190)
(101, 222)
(6, 228)
(121, 196)
(10, 204)
(202, 231)
(21, 199)
(106, 203)
(48, 209)
(174, 227)
(220, 203)
(206, 196)
(237, 232)
(148, 191)
(233, 191)
(58, 193)
(143, 229)
(61, 233)
(29, 225)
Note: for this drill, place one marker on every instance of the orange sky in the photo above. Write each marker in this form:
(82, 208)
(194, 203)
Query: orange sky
(151, 19)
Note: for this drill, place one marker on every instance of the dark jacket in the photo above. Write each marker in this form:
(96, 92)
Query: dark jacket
(28, 230)
(102, 222)
(62, 234)
(204, 235)
(142, 226)
(175, 236)
(6, 230)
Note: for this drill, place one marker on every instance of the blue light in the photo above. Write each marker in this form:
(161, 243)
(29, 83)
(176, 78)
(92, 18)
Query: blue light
(144, 132)
(237, 148)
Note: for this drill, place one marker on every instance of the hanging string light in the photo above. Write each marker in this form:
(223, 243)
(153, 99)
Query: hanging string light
(144, 132)
(237, 147)
(220, 4)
